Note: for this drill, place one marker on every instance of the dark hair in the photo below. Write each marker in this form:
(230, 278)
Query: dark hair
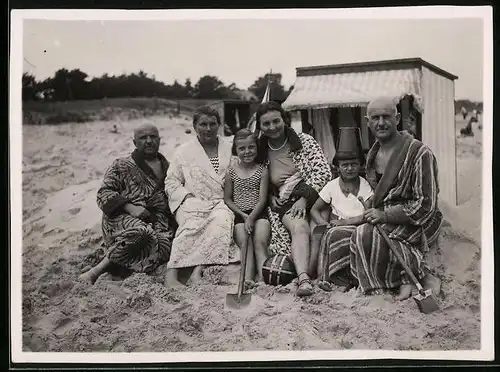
(246, 133)
(272, 106)
(206, 110)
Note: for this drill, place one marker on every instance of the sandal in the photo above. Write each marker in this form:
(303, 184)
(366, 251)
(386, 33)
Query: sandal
(250, 284)
(305, 287)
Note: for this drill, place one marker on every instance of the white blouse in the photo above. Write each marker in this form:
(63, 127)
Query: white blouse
(345, 206)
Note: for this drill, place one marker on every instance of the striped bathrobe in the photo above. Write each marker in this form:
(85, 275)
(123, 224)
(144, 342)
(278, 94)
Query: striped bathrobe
(408, 193)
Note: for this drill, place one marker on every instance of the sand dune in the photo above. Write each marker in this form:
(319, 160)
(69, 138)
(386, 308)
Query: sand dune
(62, 169)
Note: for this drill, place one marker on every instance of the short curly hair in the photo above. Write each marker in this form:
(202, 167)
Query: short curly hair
(207, 111)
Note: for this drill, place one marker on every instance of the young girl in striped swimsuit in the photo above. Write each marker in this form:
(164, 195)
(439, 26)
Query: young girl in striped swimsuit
(245, 193)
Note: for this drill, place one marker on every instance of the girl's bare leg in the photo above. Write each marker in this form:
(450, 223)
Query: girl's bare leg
(240, 237)
(261, 237)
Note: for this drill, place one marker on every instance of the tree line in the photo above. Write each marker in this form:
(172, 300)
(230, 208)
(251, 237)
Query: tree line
(68, 85)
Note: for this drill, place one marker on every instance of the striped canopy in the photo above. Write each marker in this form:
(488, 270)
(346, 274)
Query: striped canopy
(353, 89)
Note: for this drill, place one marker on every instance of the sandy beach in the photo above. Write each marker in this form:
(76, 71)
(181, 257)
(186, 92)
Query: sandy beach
(63, 167)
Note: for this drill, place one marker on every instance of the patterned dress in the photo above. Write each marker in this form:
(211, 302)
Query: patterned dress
(315, 172)
(133, 243)
(408, 192)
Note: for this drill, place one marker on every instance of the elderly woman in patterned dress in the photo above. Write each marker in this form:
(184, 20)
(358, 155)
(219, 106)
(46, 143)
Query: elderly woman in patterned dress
(137, 225)
(298, 170)
(195, 185)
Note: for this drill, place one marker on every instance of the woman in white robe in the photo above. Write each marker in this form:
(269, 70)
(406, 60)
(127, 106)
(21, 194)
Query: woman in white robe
(194, 184)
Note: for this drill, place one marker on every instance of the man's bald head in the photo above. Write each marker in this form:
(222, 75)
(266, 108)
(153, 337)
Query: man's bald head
(145, 128)
(385, 103)
(382, 117)
(147, 140)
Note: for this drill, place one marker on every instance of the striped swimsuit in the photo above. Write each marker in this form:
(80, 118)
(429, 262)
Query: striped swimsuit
(246, 192)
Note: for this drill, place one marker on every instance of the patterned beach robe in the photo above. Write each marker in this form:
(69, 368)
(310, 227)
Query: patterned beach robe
(204, 235)
(131, 242)
(313, 168)
(408, 192)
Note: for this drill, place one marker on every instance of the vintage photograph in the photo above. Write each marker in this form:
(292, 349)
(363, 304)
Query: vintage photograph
(261, 184)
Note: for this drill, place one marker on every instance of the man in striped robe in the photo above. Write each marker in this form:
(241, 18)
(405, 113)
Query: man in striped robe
(404, 175)
(137, 225)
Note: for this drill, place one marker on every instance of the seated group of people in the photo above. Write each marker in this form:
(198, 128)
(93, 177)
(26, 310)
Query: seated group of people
(195, 210)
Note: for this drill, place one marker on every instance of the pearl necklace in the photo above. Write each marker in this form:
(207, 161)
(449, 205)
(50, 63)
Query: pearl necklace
(279, 148)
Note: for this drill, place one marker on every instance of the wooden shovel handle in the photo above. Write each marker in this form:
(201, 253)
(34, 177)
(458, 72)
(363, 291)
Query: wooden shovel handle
(243, 268)
(396, 253)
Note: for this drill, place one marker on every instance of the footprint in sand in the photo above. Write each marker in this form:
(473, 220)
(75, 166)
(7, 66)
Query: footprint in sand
(62, 324)
(74, 211)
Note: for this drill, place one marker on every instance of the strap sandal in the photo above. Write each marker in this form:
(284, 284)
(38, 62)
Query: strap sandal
(305, 287)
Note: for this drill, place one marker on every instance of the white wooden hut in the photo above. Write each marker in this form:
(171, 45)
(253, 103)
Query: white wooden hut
(328, 97)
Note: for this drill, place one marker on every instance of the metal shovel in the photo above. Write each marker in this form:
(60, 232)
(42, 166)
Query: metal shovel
(425, 299)
(240, 299)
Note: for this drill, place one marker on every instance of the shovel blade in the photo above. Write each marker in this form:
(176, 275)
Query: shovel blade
(426, 302)
(234, 301)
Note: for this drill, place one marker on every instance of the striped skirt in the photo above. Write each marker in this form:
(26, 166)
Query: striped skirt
(336, 244)
(359, 255)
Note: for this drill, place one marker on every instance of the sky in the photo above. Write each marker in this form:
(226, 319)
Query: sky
(239, 51)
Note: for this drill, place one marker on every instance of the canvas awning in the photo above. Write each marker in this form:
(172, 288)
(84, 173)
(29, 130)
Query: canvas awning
(352, 89)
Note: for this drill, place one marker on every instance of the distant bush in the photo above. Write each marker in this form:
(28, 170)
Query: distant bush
(39, 113)
(469, 105)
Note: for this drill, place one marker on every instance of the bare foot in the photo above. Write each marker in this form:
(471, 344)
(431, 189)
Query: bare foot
(89, 277)
(171, 280)
(404, 292)
(432, 282)
(196, 275)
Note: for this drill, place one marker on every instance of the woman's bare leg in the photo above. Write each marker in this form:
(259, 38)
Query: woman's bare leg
(300, 232)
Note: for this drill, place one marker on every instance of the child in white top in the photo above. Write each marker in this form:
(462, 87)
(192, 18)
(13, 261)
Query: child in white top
(338, 203)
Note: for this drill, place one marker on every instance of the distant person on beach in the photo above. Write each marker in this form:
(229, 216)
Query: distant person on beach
(403, 173)
(467, 130)
(195, 185)
(464, 112)
(137, 225)
(245, 193)
(298, 170)
(475, 116)
(339, 208)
